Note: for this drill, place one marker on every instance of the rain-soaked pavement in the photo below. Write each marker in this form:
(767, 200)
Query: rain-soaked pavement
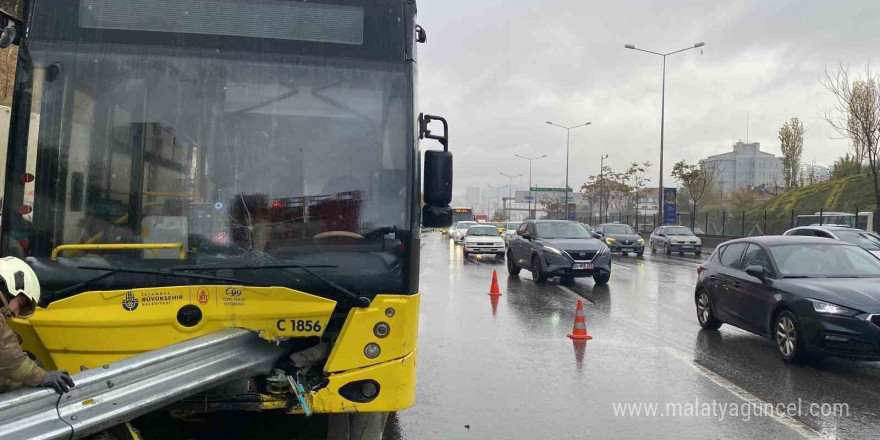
(508, 371)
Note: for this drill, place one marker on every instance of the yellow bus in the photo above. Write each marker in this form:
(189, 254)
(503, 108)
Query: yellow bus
(182, 167)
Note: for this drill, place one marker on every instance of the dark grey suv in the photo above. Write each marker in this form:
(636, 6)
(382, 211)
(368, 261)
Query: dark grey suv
(560, 248)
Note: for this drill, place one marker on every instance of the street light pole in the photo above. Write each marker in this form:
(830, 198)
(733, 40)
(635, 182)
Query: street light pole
(662, 113)
(602, 180)
(509, 190)
(530, 159)
(567, 139)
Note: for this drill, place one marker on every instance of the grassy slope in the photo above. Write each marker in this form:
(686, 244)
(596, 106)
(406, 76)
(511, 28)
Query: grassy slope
(847, 195)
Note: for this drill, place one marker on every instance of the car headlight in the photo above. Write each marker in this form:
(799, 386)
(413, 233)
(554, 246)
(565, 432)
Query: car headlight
(609, 240)
(552, 250)
(832, 309)
(604, 250)
(641, 240)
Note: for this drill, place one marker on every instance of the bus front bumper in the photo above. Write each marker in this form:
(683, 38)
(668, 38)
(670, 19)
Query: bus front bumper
(396, 381)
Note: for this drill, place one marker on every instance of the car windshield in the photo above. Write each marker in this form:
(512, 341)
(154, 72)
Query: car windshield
(619, 229)
(483, 231)
(679, 230)
(860, 238)
(464, 225)
(512, 226)
(561, 230)
(822, 260)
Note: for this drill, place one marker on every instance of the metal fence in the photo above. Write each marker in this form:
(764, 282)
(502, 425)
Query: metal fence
(744, 223)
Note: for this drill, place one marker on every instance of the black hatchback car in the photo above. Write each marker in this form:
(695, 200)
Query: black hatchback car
(809, 295)
(560, 248)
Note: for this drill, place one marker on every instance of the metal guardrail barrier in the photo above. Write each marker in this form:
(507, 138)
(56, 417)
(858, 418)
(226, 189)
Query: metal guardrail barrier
(119, 392)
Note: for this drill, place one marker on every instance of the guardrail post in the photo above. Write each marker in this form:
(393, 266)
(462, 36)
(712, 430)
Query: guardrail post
(792, 219)
(706, 231)
(743, 226)
(723, 221)
(765, 222)
(821, 213)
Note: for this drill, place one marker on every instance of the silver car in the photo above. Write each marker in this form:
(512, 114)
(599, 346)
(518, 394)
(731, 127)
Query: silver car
(675, 239)
(459, 230)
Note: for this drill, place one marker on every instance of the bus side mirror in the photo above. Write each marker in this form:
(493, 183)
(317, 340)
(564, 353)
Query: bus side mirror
(11, 30)
(437, 191)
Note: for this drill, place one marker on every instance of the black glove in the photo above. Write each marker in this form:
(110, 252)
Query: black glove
(59, 380)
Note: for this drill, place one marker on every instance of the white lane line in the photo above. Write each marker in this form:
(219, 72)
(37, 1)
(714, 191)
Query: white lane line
(572, 292)
(796, 425)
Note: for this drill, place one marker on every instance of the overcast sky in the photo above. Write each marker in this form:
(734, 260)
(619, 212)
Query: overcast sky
(498, 69)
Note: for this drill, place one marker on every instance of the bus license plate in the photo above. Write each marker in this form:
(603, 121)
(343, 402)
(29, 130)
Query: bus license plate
(582, 266)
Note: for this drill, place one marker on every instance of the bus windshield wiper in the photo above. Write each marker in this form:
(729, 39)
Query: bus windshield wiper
(358, 301)
(161, 272)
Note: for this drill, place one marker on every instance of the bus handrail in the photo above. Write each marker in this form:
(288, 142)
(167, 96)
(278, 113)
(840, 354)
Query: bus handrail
(119, 247)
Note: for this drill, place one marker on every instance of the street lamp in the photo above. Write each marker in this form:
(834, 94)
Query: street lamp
(509, 190)
(530, 159)
(567, 138)
(602, 180)
(662, 111)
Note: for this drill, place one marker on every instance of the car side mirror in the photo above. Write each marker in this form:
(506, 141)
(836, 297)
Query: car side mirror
(597, 235)
(526, 235)
(661, 235)
(437, 191)
(756, 271)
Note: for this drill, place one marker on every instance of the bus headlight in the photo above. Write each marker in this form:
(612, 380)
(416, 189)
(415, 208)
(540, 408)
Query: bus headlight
(372, 350)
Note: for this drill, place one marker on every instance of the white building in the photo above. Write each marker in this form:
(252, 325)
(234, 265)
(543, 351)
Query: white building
(473, 196)
(745, 167)
(811, 173)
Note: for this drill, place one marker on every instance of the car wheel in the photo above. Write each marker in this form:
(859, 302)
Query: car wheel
(698, 253)
(624, 253)
(537, 274)
(465, 253)
(681, 254)
(512, 268)
(500, 255)
(668, 251)
(566, 281)
(602, 278)
(653, 249)
(788, 337)
(639, 254)
(705, 315)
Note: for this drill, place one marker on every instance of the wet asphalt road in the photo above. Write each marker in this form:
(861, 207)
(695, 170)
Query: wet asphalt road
(512, 373)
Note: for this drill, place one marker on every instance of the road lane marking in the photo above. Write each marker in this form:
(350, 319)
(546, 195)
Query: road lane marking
(796, 425)
(572, 292)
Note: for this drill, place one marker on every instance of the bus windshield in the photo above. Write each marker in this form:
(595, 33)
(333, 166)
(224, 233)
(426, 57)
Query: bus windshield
(226, 154)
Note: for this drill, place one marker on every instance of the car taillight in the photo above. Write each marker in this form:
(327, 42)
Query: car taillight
(699, 270)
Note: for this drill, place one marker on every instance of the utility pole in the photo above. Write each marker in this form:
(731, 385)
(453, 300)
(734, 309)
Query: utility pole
(663, 112)
(567, 139)
(602, 180)
(531, 196)
(510, 190)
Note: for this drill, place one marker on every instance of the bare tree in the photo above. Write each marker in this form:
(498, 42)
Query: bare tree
(696, 180)
(791, 142)
(856, 113)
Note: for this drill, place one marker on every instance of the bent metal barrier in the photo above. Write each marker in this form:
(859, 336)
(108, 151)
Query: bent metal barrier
(119, 392)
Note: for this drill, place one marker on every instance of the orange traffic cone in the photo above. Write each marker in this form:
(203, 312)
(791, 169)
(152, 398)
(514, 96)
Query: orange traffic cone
(493, 299)
(580, 324)
(493, 291)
